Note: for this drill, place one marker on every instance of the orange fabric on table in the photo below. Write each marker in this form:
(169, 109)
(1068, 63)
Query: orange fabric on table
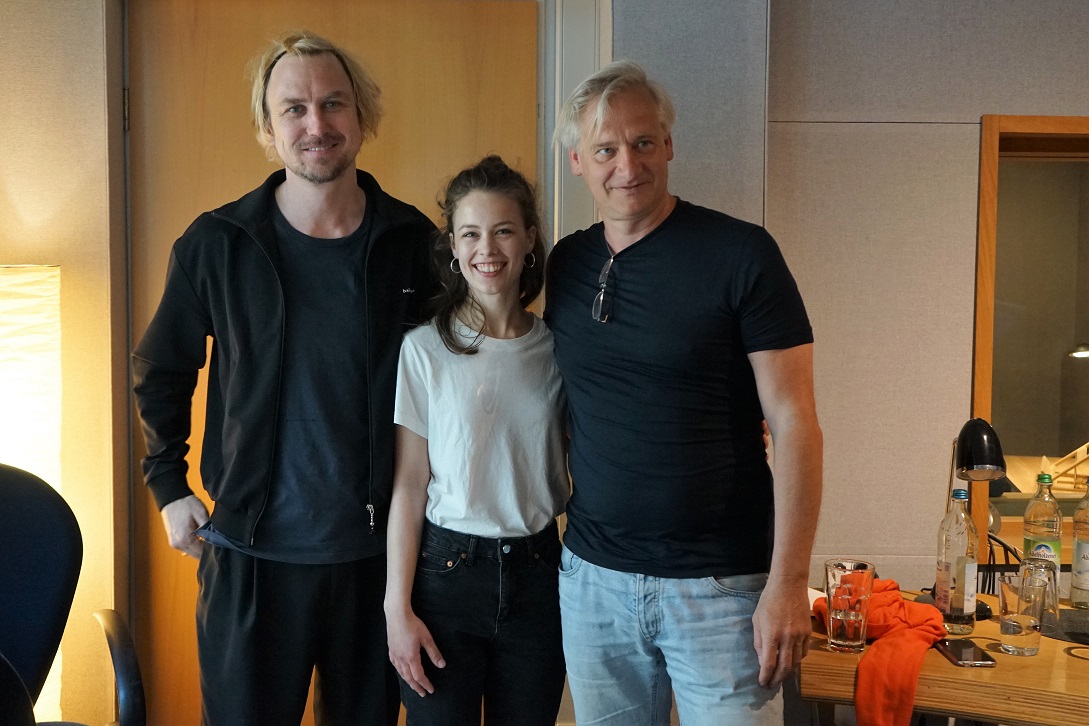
(888, 674)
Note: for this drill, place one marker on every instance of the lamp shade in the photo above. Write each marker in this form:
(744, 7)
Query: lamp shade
(30, 398)
(979, 452)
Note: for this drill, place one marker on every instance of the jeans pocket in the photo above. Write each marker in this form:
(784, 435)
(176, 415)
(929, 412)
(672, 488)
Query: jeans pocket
(748, 586)
(435, 561)
(569, 562)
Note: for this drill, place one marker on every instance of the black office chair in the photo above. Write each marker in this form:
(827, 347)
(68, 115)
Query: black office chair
(15, 706)
(39, 567)
(131, 710)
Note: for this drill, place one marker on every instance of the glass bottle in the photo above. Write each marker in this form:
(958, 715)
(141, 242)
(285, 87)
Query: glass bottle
(1079, 564)
(1043, 523)
(955, 584)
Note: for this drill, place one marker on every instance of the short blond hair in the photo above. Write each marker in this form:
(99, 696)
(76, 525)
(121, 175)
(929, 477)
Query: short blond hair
(598, 90)
(303, 43)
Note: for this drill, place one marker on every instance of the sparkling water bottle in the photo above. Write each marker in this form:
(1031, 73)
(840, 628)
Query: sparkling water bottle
(1043, 523)
(955, 584)
(1079, 564)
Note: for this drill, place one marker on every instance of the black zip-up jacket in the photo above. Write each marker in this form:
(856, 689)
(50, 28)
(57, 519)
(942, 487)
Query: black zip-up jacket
(222, 281)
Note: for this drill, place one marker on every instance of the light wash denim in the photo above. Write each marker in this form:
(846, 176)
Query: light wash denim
(631, 639)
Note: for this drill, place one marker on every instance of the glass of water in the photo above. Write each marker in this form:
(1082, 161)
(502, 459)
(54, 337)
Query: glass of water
(848, 585)
(1021, 603)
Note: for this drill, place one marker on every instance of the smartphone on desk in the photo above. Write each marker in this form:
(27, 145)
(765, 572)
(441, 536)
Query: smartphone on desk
(964, 652)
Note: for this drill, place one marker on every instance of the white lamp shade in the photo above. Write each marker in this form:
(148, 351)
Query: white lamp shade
(30, 395)
(30, 369)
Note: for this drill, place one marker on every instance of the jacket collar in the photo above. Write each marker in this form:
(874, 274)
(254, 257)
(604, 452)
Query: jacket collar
(251, 212)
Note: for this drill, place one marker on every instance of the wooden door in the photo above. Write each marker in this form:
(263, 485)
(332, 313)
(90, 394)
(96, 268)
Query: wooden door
(458, 81)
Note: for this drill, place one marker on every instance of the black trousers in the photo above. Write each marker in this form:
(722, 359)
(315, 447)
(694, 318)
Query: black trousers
(492, 606)
(264, 628)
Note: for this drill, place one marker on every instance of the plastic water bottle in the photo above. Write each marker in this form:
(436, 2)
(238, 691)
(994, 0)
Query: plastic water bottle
(1079, 564)
(955, 583)
(1043, 523)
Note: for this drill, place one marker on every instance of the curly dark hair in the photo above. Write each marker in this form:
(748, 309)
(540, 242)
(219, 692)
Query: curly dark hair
(491, 174)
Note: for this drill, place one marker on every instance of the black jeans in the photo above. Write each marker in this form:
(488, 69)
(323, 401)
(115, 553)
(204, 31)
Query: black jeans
(492, 606)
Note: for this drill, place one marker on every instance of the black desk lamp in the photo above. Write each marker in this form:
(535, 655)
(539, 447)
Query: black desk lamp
(977, 453)
(977, 457)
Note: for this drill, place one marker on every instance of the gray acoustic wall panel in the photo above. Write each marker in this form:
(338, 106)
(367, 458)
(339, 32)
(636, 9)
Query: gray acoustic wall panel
(876, 216)
(711, 57)
(877, 222)
(927, 60)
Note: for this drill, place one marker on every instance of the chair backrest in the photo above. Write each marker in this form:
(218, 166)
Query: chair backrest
(41, 552)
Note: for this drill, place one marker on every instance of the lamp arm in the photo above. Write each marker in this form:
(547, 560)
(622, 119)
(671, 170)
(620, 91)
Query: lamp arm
(952, 467)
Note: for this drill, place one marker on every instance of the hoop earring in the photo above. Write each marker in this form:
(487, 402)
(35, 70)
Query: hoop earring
(531, 261)
(455, 266)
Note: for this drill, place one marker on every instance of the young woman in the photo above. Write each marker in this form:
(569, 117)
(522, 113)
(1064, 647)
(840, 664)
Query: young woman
(480, 474)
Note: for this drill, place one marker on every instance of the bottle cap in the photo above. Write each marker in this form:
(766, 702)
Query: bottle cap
(960, 494)
(1043, 479)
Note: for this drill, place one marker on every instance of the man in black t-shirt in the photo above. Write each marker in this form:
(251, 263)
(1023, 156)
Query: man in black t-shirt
(305, 287)
(677, 329)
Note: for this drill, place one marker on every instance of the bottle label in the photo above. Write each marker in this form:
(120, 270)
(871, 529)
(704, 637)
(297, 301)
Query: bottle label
(1045, 549)
(1080, 565)
(964, 588)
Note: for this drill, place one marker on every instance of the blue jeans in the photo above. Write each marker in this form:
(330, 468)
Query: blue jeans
(492, 607)
(631, 639)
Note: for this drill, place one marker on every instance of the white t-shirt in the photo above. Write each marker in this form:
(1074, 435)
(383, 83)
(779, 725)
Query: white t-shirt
(494, 424)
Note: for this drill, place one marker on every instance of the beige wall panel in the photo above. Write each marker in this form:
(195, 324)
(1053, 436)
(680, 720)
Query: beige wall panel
(61, 66)
(711, 57)
(458, 82)
(877, 222)
(926, 60)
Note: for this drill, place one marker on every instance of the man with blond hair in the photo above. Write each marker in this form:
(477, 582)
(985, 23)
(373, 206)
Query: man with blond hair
(677, 330)
(305, 286)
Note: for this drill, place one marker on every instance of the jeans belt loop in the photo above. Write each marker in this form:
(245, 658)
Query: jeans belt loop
(531, 550)
(470, 555)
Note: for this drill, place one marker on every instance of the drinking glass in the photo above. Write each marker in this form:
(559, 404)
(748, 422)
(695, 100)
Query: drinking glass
(1021, 607)
(1049, 571)
(848, 585)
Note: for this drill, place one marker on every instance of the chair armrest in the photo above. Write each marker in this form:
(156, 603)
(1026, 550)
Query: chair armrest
(130, 686)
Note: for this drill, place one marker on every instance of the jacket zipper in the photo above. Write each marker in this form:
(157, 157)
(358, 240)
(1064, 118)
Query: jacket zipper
(375, 235)
(279, 373)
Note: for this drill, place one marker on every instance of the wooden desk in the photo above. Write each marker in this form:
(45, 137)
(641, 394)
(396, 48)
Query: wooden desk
(1051, 687)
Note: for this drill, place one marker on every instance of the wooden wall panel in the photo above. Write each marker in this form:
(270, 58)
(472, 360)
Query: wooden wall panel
(458, 81)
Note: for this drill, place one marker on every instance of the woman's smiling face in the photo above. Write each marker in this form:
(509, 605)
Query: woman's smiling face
(490, 242)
